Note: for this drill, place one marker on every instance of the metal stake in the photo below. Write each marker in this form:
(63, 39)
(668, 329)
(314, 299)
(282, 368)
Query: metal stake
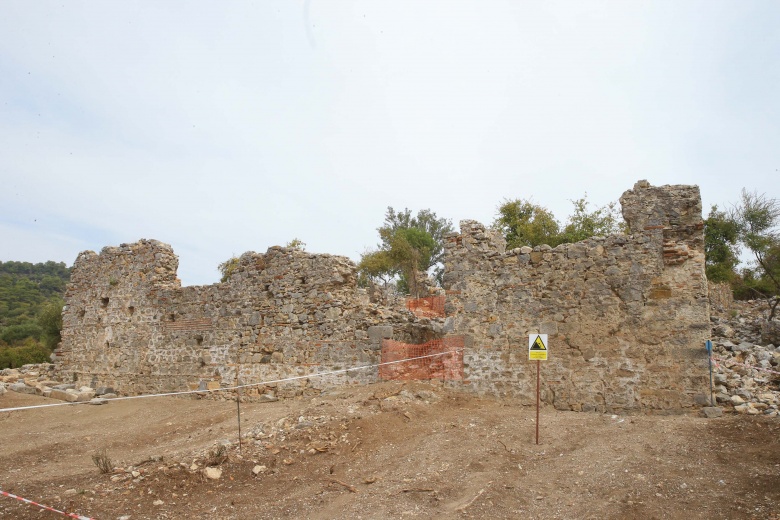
(538, 379)
(238, 405)
(708, 345)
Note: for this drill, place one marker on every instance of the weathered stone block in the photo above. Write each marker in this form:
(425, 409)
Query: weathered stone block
(22, 388)
(548, 327)
(770, 332)
(64, 395)
(377, 333)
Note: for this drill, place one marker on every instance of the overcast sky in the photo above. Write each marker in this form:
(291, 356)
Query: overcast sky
(225, 127)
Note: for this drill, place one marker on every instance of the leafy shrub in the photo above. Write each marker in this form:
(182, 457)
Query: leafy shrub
(29, 352)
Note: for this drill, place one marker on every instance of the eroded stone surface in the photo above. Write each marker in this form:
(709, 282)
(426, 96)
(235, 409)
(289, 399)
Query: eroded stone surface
(627, 316)
(129, 325)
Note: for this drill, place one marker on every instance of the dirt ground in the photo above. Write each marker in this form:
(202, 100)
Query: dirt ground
(388, 450)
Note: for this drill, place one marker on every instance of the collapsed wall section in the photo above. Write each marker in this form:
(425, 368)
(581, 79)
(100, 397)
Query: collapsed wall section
(626, 315)
(129, 324)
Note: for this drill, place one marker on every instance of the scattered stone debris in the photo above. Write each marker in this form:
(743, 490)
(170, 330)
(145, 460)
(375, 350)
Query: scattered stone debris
(746, 369)
(40, 379)
(212, 473)
(712, 412)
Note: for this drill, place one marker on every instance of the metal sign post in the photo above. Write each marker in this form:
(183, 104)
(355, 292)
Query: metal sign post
(538, 379)
(537, 350)
(708, 346)
(238, 408)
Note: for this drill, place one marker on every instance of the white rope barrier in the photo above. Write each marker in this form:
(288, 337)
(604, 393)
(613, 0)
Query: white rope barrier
(262, 383)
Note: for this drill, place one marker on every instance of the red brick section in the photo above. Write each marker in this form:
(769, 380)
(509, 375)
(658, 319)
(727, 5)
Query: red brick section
(446, 366)
(428, 307)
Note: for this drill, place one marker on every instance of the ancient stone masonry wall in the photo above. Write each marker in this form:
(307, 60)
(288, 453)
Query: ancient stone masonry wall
(626, 315)
(129, 324)
(721, 296)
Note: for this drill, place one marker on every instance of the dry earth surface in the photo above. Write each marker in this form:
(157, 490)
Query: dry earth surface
(388, 450)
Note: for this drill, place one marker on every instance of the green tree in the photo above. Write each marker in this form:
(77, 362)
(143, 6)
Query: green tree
(27, 291)
(50, 285)
(411, 245)
(721, 249)
(15, 334)
(376, 267)
(524, 223)
(405, 255)
(29, 351)
(757, 218)
(583, 224)
(50, 322)
(425, 220)
(411, 250)
(227, 268)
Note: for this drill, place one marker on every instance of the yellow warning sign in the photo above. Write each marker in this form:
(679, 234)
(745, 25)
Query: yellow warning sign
(537, 347)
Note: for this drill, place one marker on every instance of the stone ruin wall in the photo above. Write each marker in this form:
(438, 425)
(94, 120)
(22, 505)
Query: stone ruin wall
(129, 324)
(721, 296)
(626, 315)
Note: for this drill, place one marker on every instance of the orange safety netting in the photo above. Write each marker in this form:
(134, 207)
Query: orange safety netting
(444, 360)
(428, 307)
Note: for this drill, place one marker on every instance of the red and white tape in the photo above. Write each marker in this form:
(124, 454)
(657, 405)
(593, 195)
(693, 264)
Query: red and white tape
(47, 508)
(733, 363)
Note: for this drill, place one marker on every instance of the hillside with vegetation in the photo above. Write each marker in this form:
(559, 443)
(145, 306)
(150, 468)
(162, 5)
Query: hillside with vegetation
(30, 310)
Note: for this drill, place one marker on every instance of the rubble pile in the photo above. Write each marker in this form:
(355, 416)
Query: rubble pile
(746, 368)
(39, 379)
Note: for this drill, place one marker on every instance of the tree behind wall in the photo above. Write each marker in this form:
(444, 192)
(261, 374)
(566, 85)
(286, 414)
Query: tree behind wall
(721, 247)
(425, 220)
(411, 245)
(757, 219)
(524, 223)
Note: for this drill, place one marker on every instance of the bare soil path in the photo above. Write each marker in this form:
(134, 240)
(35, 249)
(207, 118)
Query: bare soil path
(383, 451)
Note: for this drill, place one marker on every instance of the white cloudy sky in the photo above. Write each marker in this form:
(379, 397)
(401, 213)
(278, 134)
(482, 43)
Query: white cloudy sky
(225, 127)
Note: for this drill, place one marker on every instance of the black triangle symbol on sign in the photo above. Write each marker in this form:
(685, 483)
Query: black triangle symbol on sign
(538, 345)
